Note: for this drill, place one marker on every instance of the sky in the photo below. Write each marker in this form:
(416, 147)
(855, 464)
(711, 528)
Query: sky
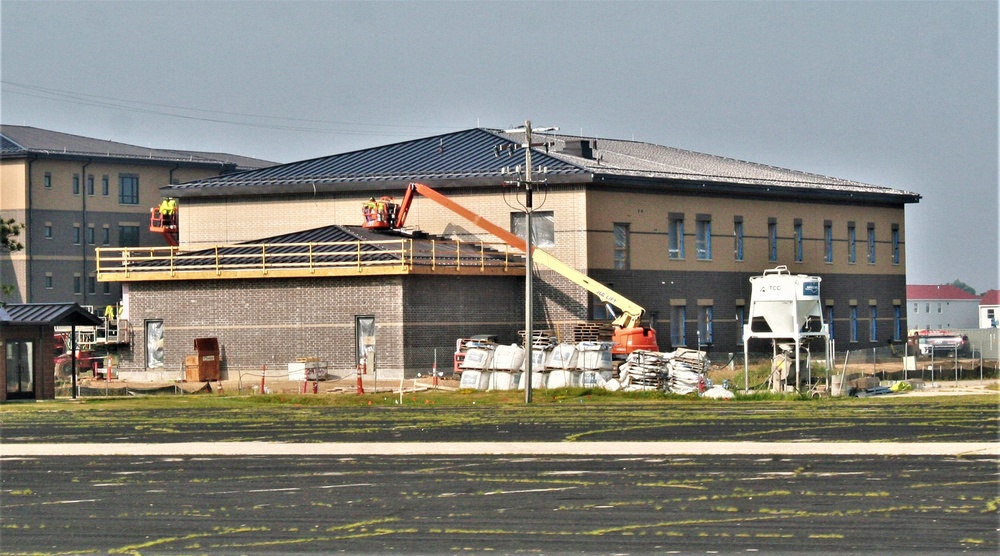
(896, 94)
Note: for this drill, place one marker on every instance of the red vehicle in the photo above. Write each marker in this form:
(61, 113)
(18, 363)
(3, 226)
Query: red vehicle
(85, 359)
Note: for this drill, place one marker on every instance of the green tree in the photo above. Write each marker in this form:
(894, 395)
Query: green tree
(963, 286)
(9, 230)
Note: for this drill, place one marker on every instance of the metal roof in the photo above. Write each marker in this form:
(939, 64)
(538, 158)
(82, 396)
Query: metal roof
(54, 314)
(459, 155)
(23, 140)
(469, 157)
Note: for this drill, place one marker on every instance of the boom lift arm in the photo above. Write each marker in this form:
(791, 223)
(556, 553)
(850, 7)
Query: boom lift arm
(629, 332)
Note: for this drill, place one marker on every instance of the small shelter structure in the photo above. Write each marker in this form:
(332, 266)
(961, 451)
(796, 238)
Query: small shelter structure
(27, 333)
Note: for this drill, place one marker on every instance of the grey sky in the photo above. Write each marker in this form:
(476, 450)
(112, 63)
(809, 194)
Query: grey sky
(900, 94)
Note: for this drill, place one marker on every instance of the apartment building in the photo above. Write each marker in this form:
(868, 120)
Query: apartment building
(74, 194)
(676, 231)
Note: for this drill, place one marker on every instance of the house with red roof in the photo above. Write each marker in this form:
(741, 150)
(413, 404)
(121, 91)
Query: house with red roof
(989, 310)
(940, 307)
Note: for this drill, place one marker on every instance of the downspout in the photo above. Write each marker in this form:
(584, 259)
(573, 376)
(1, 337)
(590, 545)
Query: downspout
(29, 266)
(83, 228)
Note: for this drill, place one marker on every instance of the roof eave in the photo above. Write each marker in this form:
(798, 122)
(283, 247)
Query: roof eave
(757, 190)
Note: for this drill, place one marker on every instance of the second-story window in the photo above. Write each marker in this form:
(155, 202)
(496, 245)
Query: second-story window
(543, 232)
(703, 237)
(798, 240)
(90, 185)
(76, 184)
(895, 244)
(828, 241)
(871, 242)
(128, 189)
(738, 238)
(852, 247)
(675, 236)
(622, 246)
(105, 186)
(772, 239)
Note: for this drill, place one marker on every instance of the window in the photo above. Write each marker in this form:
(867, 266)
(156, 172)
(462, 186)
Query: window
(703, 237)
(364, 336)
(798, 240)
(927, 308)
(90, 185)
(105, 186)
(897, 323)
(47, 180)
(542, 227)
(939, 307)
(90, 234)
(738, 238)
(854, 323)
(128, 236)
(621, 246)
(705, 325)
(871, 243)
(675, 233)
(677, 316)
(76, 184)
(48, 280)
(895, 244)
(873, 324)
(77, 284)
(916, 307)
(48, 230)
(107, 288)
(829, 320)
(828, 242)
(772, 239)
(851, 243)
(106, 235)
(154, 343)
(741, 320)
(91, 284)
(76, 234)
(128, 189)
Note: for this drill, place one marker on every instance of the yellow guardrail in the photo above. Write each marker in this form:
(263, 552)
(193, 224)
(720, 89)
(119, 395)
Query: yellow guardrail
(397, 256)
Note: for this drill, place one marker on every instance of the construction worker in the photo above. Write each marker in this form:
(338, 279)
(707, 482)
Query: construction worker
(371, 210)
(109, 312)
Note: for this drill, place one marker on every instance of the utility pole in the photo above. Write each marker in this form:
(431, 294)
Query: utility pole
(528, 268)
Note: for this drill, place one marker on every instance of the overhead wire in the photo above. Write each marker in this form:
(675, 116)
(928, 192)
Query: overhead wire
(160, 109)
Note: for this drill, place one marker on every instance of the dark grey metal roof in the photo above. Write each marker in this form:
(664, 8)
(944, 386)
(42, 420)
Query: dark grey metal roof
(23, 140)
(453, 156)
(54, 314)
(619, 160)
(468, 158)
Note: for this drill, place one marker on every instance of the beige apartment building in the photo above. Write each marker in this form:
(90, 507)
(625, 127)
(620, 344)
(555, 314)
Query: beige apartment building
(678, 232)
(74, 194)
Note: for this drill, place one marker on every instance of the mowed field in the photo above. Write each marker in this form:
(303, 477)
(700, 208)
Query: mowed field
(375, 499)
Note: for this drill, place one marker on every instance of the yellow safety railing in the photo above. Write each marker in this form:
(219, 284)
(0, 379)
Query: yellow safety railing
(285, 259)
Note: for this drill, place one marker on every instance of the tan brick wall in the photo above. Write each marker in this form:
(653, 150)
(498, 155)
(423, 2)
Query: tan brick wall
(648, 216)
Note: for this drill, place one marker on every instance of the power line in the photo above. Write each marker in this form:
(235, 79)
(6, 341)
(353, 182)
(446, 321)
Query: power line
(113, 103)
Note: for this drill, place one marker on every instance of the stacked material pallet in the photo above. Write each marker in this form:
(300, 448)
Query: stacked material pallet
(678, 372)
(540, 339)
(576, 332)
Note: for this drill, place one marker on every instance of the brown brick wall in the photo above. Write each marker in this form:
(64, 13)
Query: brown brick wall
(274, 321)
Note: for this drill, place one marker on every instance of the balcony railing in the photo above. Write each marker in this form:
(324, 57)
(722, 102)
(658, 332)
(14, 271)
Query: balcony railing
(248, 260)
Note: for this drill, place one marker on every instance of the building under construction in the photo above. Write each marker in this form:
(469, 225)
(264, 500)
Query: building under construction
(276, 265)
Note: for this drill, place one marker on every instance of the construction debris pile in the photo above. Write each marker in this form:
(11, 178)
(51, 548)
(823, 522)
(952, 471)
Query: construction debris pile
(586, 364)
(678, 372)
